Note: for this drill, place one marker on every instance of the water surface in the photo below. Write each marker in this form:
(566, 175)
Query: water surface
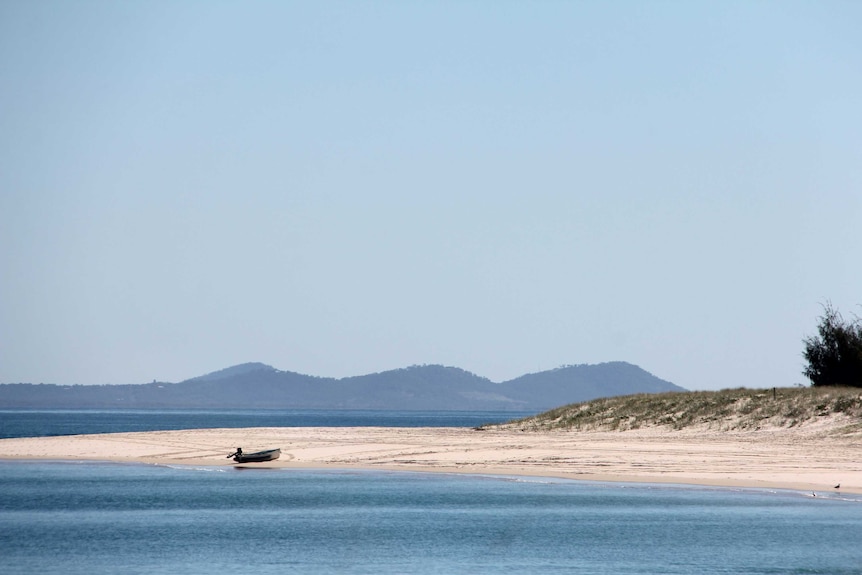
(112, 518)
(52, 422)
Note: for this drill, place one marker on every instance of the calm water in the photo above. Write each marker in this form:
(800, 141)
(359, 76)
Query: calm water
(58, 517)
(109, 518)
(45, 423)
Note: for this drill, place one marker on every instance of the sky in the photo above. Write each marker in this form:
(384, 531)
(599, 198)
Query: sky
(343, 188)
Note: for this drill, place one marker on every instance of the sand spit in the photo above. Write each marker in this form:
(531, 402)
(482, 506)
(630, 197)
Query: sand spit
(782, 459)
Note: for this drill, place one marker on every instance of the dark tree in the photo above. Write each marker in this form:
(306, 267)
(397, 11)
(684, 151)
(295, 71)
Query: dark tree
(835, 355)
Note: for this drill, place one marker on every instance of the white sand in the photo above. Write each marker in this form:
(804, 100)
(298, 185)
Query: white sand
(776, 459)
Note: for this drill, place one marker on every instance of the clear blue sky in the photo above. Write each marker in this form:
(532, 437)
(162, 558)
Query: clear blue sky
(340, 188)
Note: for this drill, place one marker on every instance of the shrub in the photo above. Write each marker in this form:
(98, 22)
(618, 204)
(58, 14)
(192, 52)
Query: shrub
(835, 355)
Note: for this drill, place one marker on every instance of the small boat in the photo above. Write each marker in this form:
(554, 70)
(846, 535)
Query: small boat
(256, 457)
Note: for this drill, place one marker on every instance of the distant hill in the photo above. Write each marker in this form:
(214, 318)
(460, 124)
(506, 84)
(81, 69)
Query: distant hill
(425, 387)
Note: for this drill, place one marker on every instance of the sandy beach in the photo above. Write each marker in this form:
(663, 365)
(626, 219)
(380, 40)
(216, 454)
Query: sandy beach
(768, 459)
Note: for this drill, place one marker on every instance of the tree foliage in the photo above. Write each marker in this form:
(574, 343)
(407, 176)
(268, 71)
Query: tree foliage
(835, 355)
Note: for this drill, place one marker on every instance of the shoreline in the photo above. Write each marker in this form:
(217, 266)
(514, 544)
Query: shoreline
(777, 459)
(798, 489)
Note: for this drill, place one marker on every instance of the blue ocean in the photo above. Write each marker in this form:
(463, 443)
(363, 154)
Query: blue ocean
(74, 517)
(52, 422)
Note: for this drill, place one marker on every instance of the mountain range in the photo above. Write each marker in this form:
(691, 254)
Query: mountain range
(419, 387)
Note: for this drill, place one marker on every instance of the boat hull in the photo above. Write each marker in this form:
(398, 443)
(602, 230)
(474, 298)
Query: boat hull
(258, 457)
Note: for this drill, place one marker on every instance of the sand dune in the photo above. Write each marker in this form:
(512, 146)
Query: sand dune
(777, 459)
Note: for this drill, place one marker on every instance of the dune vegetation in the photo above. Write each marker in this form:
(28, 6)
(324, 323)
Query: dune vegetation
(836, 409)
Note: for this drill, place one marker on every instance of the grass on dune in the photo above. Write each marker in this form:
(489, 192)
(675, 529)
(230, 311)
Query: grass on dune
(726, 410)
